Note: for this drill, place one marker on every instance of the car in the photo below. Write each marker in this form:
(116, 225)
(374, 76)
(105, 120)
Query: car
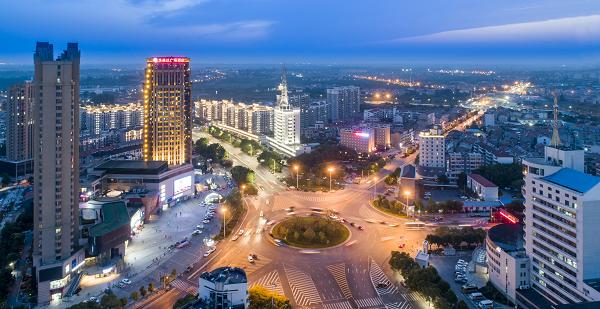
(235, 237)
(463, 197)
(182, 244)
(241, 232)
(360, 227)
(381, 285)
(126, 281)
(485, 304)
(94, 299)
(206, 221)
(468, 288)
(401, 245)
(121, 285)
(461, 261)
(189, 268)
(278, 242)
(460, 280)
(250, 258)
(206, 254)
(352, 224)
(199, 227)
(196, 232)
(476, 296)
(261, 213)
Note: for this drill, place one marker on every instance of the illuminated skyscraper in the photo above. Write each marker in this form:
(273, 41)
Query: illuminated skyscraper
(56, 249)
(168, 110)
(287, 118)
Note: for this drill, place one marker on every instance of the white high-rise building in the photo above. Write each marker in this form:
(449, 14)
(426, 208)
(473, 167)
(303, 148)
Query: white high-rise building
(287, 118)
(432, 148)
(562, 209)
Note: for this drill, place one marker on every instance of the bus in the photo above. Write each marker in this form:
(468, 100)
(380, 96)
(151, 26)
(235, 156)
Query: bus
(414, 225)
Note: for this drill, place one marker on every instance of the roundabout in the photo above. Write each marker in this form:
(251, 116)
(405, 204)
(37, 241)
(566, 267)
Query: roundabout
(311, 232)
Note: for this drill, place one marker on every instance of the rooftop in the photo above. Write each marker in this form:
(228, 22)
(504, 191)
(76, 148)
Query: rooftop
(226, 275)
(114, 216)
(482, 181)
(573, 179)
(408, 171)
(133, 167)
(509, 237)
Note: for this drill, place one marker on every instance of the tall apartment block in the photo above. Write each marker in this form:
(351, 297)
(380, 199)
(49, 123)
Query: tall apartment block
(562, 209)
(432, 148)
(19, 131)
(344, 103)
(287, 118)
(56, 250)
(96, 119)
(167, 110)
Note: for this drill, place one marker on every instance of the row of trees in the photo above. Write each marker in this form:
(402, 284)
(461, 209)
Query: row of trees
(457, 237)
(270, 160)
(425, 281)
(386, 205)
(108, 301)
(248, 146)
(214, 152)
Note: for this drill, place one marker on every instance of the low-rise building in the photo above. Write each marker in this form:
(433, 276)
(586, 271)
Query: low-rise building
(224, 287)
(507, 263)
(484, 188)
(359, 140)
(432, 148)
(463, 162)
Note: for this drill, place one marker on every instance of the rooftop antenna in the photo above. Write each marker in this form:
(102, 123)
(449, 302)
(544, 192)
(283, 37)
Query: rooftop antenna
(555, 141)
(283, 97)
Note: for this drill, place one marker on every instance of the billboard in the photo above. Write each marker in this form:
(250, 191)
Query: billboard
(182, 184)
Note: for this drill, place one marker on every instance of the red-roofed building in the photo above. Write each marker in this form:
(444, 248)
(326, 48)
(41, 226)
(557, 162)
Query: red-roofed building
(486, 189)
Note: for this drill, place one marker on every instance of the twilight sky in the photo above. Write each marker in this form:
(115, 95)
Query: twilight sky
(316, 31)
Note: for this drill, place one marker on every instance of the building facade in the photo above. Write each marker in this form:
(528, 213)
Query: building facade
(168, 110)
(96, 119)
(463, 162)
(56, 250)
(344, 103)
(508, 265)
(485, 189)
(432, 148)
(359, 140)
(287, 118)
(562, 207)
(254, 118)
(225, 287)
(19, 122)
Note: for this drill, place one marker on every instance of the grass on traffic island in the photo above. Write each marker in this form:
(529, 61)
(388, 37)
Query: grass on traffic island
(394, 208)
(235, 212)
(311, 232)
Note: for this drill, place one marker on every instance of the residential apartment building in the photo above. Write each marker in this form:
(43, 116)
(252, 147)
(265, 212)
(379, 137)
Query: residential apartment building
(344, 103)
(96, 119)
(56, 250)
(432, 148)
(463, 162)
(255, 118)
(19, 122)
(357, 139)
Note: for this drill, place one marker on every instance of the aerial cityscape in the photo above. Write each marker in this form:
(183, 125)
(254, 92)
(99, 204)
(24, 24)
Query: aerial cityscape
(231, 154)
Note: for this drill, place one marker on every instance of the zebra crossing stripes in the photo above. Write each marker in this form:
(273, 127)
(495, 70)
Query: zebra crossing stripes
(271, 282)
(338, 271)
(339, 305)
(380, 281)
(369, 302)
(398, 305)
(415, 297)
(303, 288)
(184, 286)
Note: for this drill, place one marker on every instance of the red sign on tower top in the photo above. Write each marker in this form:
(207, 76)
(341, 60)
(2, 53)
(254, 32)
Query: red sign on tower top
(170, 59)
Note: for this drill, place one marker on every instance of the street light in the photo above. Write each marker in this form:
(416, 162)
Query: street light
(243, 188)
(330, 170)
(223, 212)
(296, 169)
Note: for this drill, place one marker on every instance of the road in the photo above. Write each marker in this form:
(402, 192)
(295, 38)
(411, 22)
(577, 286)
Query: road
(341, 277)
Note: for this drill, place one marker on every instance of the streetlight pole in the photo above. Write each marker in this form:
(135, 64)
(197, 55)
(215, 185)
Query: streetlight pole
(330, 171)
(223, 211)
(296, 169)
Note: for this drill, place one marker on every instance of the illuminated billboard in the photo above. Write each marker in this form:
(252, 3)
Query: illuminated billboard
(362, 134)
(182, 184)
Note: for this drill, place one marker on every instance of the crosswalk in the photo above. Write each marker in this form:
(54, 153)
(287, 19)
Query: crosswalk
(380, 281)
(339, 305)
(415, 297)
(303, 288)
(369, 302)
(184, 286)
(338, 271)
(270, 281)
(398, 305)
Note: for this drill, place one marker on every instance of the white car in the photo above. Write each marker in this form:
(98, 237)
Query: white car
(126, 281)
(241, 232)
(250, 258)
(196, 232)
(261, 213)
(206, 221)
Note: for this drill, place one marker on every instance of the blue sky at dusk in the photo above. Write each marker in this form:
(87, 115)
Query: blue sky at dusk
(324, 31)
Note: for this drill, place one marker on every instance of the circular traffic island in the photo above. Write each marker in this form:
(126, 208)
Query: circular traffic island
(310, 232)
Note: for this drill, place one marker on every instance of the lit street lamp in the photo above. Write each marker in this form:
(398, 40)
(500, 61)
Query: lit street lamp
(296, 169)
(330, 170)
(242, 191)
(223, 212)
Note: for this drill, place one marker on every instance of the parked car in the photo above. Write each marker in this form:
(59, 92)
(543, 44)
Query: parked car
(126, 281)
(485, 304)
(196, 232)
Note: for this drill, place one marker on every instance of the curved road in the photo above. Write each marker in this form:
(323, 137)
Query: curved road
(341, 277)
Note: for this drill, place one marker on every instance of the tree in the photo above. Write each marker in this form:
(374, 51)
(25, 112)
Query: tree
(174, 273)
(84, 305)
(150, 287)
(261, 298)
(515, 207)
(110, 301)
(135, 295)
(242, 175)
(143, 291)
